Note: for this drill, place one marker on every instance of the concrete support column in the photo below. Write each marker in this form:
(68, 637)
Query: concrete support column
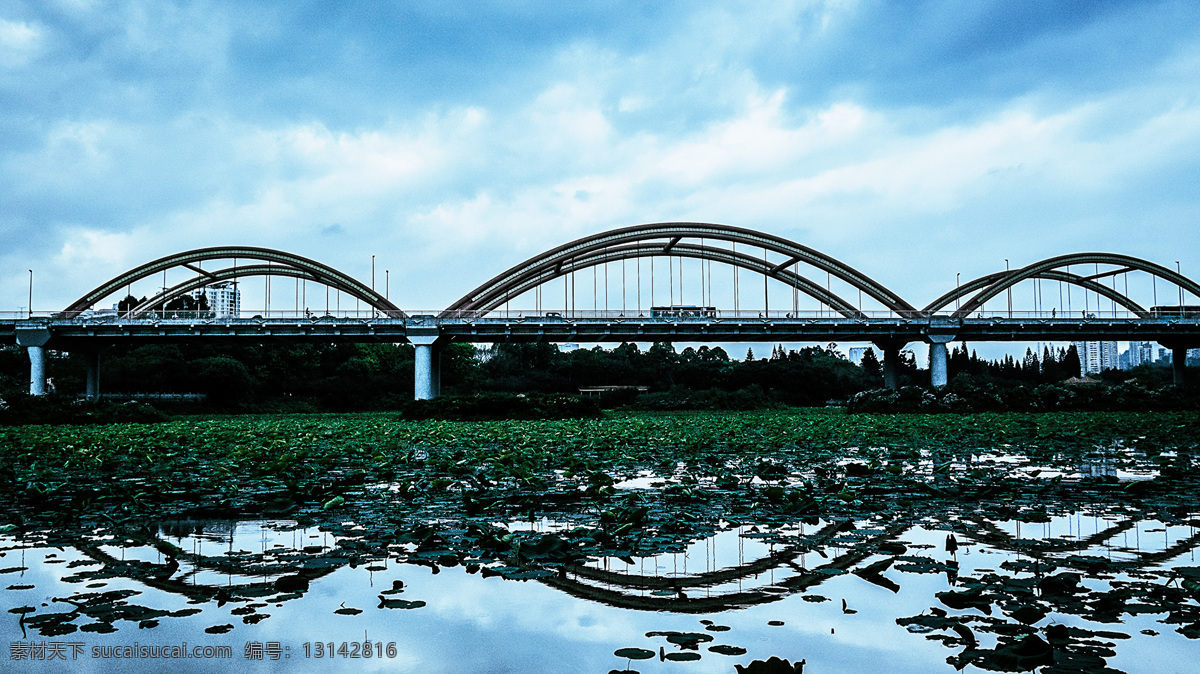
(37, 370)
(93, 375)
(938, 375)
(436, 370)
(891, 365)
(33, 335)
(937, 364)
(942, 331)
(1179, 364)
(424, 333)
(423, 383)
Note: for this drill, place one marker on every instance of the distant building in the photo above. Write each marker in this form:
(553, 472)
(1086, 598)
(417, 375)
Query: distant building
(857, 353)
(224, 299)
(1096, 356)
(1139, 353)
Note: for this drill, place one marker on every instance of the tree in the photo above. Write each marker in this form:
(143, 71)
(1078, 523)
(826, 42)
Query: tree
(871, 365)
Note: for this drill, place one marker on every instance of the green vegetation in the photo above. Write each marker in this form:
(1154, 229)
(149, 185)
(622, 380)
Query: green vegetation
(307, 378)
(231, 462)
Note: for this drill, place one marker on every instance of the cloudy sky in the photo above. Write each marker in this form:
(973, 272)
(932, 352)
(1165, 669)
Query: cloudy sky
(913, 140)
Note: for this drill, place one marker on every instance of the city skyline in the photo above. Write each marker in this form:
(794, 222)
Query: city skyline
(916, 143)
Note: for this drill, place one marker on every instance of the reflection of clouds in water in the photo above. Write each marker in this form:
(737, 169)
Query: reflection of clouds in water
(495, 603)
(473, 623)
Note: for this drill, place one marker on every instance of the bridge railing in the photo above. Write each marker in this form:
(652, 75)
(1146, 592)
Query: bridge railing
(673, 313)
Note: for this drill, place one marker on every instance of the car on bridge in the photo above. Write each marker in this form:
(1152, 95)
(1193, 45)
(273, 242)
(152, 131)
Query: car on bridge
(683, 311)
(1176, 311)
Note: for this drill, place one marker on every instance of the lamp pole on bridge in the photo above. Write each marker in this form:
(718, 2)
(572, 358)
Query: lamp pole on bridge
(957, 276)
(1009, 290)
(1177, 271)
(31, 293)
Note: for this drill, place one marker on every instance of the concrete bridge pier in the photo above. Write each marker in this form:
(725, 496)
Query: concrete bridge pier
(37, 370)
(938, 375)
(93, 375)
(891, 363)
(1179, 364)
(33, 338)
(427, 367)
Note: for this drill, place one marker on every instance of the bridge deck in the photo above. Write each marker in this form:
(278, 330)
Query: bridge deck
(80, 332)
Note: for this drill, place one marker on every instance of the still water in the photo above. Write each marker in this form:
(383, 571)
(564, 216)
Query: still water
(1099, 588)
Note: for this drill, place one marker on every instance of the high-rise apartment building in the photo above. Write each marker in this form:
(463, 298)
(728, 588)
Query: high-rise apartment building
(224, 299)
(1096, 356)
(1139, 353)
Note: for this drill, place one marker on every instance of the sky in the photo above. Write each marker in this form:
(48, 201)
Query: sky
(916, 141)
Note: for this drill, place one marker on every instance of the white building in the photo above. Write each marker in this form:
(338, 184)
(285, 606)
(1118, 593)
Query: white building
(1096, 356)
(224, 299)
(1140, 353)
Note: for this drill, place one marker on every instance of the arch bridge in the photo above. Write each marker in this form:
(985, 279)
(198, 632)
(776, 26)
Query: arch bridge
(849, 305)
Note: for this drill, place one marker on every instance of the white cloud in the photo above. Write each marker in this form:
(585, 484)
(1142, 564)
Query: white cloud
(20, 43)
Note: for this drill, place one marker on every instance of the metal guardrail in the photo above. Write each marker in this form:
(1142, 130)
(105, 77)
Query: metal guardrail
(578, 314)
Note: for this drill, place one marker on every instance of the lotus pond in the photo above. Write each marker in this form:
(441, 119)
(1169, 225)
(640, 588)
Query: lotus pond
(652, 543)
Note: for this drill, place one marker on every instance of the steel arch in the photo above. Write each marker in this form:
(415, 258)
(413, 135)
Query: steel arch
(1009, 279)
(321, 273)
(626, 252)
(217, 277)
(1051, 275)
(501, 287)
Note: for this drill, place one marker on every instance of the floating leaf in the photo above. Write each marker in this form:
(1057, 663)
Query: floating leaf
(634, 653)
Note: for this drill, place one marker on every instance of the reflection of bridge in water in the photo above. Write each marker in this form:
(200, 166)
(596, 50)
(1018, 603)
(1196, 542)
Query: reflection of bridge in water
(522, 304)
(688, 593)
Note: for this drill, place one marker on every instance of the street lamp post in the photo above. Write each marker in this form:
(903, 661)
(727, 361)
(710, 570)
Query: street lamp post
(1177, 271)
(31, 293)
(957, 276)
(1009, 290)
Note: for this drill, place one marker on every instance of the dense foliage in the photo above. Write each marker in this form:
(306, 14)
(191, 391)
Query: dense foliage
(351, 377)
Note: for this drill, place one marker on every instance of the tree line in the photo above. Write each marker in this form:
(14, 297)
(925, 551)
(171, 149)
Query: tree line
(342, 376)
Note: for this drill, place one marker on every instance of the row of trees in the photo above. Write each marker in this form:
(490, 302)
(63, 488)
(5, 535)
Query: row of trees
(365, 376)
